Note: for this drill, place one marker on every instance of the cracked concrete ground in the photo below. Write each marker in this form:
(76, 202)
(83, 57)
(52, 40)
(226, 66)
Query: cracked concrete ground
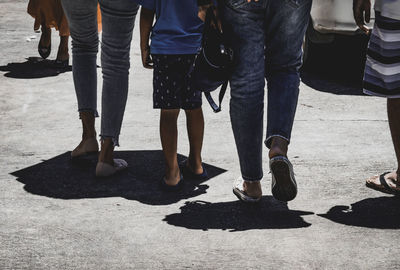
(55, 215)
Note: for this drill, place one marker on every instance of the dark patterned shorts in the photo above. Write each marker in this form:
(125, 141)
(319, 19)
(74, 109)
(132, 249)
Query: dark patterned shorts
(170, 87)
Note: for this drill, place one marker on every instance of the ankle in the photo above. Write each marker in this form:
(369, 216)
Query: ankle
(195, 164)
(107, 151)
(88, 120)
(87, 135)
(277, 151)
(252, 188)
(172, 175)
(279, 147)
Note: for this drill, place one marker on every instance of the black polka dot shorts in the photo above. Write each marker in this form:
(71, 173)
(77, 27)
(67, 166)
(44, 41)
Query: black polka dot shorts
(171, 89)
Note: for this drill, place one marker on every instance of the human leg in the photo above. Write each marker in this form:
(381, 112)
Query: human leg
(82, 18)
(118, 19)
(243, 24)
(392, 178)
(195, 129)
(286, 23)
(393, 106)
(62, 53)
(44, 47)
(169, 140)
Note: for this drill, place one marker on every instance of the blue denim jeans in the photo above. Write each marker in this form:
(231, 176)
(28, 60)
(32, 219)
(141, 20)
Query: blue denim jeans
(266, 37)
(118, 19)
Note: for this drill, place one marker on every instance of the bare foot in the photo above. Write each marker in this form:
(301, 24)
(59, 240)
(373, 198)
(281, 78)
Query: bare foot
(391, 179)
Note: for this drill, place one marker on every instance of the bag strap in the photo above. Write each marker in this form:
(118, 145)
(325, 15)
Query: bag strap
(211, 101)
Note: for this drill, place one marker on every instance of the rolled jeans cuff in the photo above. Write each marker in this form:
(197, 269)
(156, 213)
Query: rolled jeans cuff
(252, 179)
(268, 140)
(115, 140)
(95, 113)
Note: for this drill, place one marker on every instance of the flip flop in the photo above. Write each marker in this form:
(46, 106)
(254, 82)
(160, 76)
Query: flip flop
(189, 174)
(284, 186)
(386, 188)
(169, 188)
(104, 169)
(241, 194)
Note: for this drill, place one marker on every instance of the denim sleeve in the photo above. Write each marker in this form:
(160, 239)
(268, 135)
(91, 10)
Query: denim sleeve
(149, 4)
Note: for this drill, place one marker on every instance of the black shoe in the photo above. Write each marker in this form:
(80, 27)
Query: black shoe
(284, 186)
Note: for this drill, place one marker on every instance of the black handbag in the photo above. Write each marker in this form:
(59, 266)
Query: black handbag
(212, 66)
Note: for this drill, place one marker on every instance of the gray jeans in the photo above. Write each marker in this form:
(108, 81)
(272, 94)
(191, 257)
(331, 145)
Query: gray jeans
(118, 19)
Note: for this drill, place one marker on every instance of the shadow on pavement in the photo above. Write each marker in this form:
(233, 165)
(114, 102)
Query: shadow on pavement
(63, 179)
(378, 213)
(33, 68)
(237, 216)
(336, 67)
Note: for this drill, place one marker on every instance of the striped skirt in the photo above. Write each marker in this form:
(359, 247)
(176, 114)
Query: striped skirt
(382, 69)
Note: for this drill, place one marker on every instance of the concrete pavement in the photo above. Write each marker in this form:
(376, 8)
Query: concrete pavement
(55, 215)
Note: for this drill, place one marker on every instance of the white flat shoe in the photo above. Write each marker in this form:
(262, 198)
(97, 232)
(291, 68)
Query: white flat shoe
(104, 169)
(90, 146)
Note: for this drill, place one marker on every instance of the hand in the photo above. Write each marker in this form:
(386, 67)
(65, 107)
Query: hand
(146, 58)
(362, 14)
(203, 11)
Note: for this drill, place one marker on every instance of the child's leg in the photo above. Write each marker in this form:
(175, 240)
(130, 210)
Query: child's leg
(195, 129)
(169, 138)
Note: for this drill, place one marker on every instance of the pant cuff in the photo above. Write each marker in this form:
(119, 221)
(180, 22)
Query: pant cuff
(115, 140)
(268, 141)
(252, 179)
(95, 113)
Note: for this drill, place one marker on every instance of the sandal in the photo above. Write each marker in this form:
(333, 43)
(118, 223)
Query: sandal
(189, 174)
(169, 188)
(385, 188)
(238, 190)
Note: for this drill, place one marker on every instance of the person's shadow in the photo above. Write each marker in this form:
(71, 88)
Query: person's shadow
(63, 179)
(378, 213)
(238, 216)
(33, 68)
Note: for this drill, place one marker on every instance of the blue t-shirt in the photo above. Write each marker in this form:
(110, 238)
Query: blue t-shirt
(178, 29)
